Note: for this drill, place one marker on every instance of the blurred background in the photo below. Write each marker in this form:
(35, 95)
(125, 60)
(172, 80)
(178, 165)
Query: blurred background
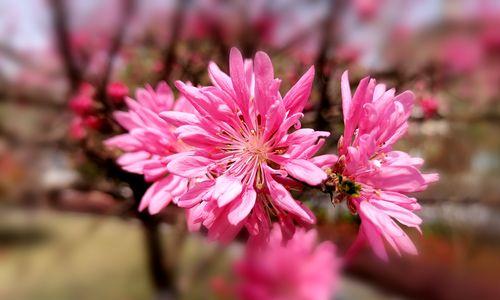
(68, 222)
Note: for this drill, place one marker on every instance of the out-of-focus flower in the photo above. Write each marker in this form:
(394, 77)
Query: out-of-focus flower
(461, 54)
(430, 107)
(92, 122)
(150, 143)
(490, 38)
(77, 129)
(117, 91)
(83, 107)
(243, 158)
(366, 9)
(368, 174)
(298, 269)
(82, 103)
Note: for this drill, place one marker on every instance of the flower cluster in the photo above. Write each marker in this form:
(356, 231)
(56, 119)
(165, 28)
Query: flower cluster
(230, 154)
(371, 177)
(297, 269)
(117, 91)
(150, 142)
(83, 107)
(245, 155)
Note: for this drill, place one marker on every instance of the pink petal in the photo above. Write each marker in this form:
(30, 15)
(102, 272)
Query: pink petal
(158, 195)
(189, 166)
(237, 73)
(125, 142)
(399, 179)
(178, 118)
(196, 136)
(323, 161)
(305, 171)
(226, 189)
(126, 120)
(195, 194)
(242, 208)
(154, 170)
(220, 79)
(282, 198)
(133, 157)
(265, 92)
(296, 98)
(401, 214)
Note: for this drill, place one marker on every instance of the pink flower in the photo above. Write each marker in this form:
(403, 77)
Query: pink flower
(77, 129)
(93, 122)
(82, 103)
(461, 54)
(297, 270)
(243, 158)
(150, 143)
(117, 91)
(368, 174)
(367, 9)
(430, 107)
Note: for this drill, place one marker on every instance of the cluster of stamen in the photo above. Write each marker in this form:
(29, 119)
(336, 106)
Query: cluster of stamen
(246, 151)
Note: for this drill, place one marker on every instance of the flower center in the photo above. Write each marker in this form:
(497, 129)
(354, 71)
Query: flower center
(255, 147)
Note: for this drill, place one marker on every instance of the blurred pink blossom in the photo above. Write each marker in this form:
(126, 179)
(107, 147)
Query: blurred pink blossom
(430, 107)
(77, 129)
(369, 175)
(92, 122)
(367, 9)
(82, 103)
(243, 158)
(297, 269)
(117, 91)
(461, 54)
(150, 143)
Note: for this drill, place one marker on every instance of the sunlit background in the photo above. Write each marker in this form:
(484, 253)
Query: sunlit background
(69, 231)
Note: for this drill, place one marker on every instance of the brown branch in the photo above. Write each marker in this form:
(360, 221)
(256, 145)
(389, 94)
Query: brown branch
(116, 44)
(323, 64)
(62, 35)
(170, 53)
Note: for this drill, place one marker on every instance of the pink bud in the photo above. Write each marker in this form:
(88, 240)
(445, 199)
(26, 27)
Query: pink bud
(93, 122)
(429, 106)
(81, 104)
(117, 91)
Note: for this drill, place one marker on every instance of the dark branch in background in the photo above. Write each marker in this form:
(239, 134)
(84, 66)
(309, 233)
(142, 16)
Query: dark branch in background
(62, 36)
(162, 279)
(116, 44)
(161, 276)
(170, 53)
(323, 63)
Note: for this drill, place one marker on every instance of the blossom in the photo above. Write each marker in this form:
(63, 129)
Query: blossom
(372, 178)
(460, 54)
(149, 144)
(297, 269)
(92, 122)
(83, 107)
(77, 129)
(367, 9)
(243, 158)
(429, 106)
(117, 91)
(82, 102)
